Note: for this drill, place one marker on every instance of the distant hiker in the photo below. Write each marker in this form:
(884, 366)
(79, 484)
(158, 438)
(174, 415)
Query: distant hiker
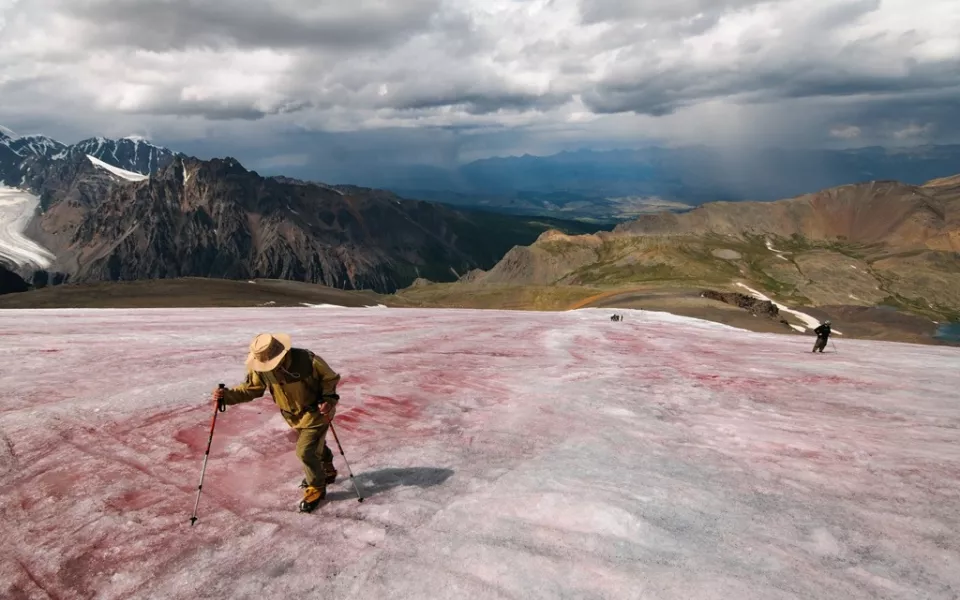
(304, 387)
(616, 318)
(823, 334)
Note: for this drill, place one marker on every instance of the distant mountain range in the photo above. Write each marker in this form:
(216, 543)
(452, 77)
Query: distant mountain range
(865, 245)
(598, 184)
(128, 209)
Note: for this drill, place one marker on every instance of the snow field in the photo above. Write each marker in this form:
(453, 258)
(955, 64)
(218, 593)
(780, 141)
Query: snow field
(121, 173)
(503, 455)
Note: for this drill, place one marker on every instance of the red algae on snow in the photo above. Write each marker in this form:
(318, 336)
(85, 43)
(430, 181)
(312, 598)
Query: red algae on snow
(503, 454)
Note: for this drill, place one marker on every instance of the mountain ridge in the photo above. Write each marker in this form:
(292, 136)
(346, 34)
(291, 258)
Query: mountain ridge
(217, 219)
(868, 244)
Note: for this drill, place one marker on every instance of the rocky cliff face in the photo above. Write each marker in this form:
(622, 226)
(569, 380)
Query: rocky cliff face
(165, 215)
(216, 219)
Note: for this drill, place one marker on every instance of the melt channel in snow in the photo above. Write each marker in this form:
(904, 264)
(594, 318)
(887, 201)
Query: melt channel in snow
(502, 454)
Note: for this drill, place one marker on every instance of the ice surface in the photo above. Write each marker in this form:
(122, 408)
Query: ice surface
(122, 173)
(503, 455)
(16, 209)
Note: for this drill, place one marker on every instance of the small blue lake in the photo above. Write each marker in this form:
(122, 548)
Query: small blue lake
(948, 332)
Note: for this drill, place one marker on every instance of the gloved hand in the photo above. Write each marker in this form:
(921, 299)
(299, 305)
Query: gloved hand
(328, 411)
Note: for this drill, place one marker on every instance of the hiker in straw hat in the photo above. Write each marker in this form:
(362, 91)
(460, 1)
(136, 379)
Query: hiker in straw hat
(305, 389)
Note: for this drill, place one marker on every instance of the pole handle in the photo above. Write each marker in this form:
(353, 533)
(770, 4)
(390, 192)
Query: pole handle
(220, 405)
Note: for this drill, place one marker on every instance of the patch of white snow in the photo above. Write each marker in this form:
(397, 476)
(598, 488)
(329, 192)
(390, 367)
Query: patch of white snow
(122, 173)
(779, 253)
(809, 321)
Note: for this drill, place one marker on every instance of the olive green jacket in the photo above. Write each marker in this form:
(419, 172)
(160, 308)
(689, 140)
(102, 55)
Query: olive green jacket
(298, 389)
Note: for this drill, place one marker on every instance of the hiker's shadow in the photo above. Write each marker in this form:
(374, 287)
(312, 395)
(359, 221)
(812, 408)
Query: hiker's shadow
(375, 482)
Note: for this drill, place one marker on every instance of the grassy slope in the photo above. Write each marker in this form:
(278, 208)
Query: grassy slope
(810, 273)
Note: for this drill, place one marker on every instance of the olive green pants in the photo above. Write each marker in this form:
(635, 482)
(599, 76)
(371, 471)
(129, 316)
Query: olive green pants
(316, 457)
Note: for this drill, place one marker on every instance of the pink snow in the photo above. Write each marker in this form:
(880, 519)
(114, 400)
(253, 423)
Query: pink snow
(502, 455)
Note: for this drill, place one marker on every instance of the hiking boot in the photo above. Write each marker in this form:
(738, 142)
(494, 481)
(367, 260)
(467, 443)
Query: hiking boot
(331, 473)
(312, 497)
(331, 477)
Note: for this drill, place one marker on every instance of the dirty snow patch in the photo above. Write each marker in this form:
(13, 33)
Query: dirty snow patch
(809, 321)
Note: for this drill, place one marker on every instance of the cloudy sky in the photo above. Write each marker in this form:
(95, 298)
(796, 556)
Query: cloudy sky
(294, 83)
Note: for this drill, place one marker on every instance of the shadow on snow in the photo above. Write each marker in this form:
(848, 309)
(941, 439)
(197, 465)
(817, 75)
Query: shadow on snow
(375, 482)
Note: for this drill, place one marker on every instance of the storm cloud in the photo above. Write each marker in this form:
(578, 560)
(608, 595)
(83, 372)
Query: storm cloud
(497, 76)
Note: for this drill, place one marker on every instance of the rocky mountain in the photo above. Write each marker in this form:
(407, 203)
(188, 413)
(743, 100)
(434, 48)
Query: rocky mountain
(877, 243)
(36, 153)
(899, 215)
(35, 146)
(217, 219)
(131, 153)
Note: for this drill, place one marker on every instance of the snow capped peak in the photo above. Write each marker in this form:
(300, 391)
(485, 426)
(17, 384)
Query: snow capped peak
(36, 145)
(122, 173)
(132, 156)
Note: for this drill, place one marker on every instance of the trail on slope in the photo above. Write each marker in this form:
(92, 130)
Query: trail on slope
(503, 455)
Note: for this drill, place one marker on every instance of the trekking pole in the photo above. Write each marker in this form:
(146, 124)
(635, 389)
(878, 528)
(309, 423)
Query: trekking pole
(352, 480)
(832, 346)
(217, 408)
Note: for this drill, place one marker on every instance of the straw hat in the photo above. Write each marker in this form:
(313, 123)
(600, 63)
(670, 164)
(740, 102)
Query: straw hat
(267, 351)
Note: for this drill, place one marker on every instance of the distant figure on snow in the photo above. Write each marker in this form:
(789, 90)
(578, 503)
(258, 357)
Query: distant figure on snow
(304, 387)
(823, 334)
(616, 318)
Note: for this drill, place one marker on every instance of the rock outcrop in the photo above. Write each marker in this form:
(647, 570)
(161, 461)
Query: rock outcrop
(758, 307)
